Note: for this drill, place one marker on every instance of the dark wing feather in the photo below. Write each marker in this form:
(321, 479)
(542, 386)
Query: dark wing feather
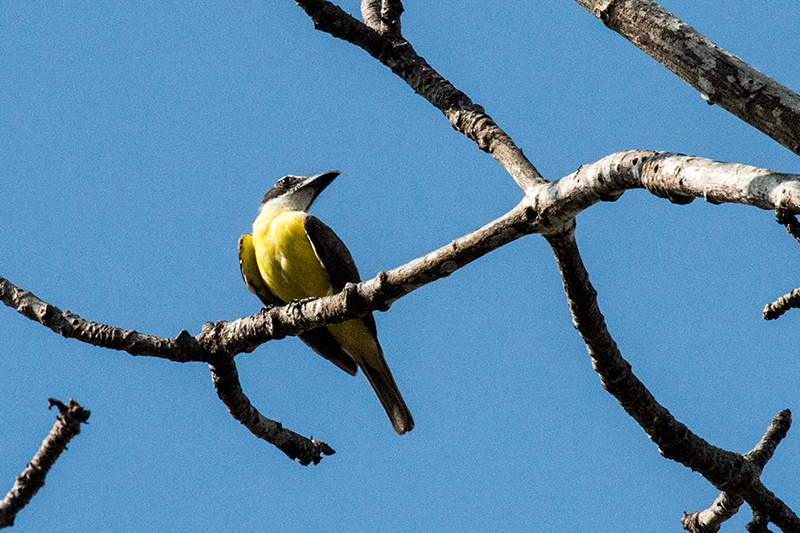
(321, 341)
(336, 258)
(342, 269)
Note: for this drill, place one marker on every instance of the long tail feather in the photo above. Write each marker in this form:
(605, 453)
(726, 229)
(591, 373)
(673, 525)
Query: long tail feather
(386, 389)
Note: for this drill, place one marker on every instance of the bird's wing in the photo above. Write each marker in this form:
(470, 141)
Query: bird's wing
(335, 258)
(341, 269)
(250, 273)
(319, 339)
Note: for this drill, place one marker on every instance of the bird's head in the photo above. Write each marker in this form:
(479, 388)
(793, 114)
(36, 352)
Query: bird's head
(297, 193)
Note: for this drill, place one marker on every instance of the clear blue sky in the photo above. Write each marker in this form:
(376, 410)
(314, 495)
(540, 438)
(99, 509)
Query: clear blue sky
(136, 141)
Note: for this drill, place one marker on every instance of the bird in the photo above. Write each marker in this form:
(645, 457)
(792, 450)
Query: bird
(292, 255)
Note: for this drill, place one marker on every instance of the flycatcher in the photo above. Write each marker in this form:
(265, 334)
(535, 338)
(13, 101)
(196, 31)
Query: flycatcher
(292, 255)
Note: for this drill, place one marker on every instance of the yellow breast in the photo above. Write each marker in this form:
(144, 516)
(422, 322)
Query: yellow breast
(286, 257)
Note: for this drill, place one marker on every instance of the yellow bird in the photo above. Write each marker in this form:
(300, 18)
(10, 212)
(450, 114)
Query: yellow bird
(292, 255)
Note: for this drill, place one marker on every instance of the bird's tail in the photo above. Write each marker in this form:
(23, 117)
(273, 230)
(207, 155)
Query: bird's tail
(361, 343)
(386, 389)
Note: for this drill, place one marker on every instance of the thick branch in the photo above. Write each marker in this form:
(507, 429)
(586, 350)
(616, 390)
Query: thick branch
(720, 77)
(677, 177)
(725, 470)
(397, 54)
(550, 208)
(226, 382)
(68, 424)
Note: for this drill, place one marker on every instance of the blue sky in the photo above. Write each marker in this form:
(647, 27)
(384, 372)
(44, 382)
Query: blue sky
(136, 141)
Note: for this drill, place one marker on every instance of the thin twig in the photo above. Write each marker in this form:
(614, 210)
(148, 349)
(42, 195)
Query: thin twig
(781, 305)
(182, 348)
(68, 424)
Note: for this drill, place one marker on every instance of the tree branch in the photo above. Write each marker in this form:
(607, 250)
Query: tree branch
(398, 54)
(789, 221)
(68, 424)
(549, 209)
(727, 504)
(246, 334)
(390, 15)
(781, 305)
(371, 14)
(720, 77)
(677, 177)
(182, 348)
(725, 470)
(383, 16)
(758, 524)
(229, 389)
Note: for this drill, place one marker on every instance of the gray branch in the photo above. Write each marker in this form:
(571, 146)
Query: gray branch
(727, 504)
(68, 424)
(397, 54)
(549, 209)
(720, 77)
(728, 471)
(226, 382)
